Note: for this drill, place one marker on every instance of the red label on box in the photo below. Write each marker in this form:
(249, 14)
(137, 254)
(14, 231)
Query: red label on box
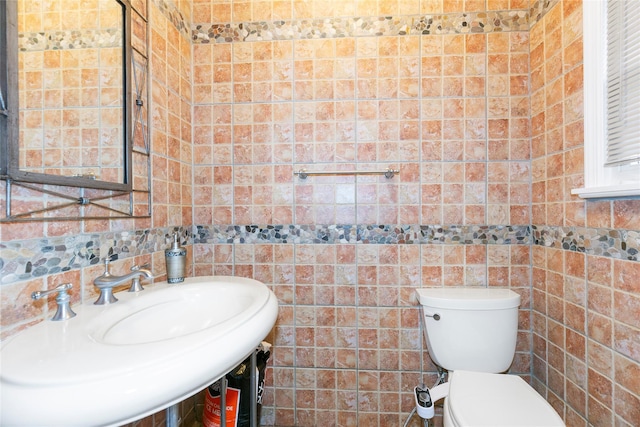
(211, 413)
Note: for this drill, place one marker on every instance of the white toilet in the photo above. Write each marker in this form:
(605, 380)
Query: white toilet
(472, 333)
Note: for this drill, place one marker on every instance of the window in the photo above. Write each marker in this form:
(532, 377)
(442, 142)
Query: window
(611, 99)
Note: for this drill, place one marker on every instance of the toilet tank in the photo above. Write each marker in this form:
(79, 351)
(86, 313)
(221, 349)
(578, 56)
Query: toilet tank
(477, 328)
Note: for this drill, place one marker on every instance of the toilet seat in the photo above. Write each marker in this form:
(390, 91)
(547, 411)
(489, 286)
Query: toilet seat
(478, 399)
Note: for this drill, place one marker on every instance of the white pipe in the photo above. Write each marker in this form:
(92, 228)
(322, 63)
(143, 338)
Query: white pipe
(439, 392)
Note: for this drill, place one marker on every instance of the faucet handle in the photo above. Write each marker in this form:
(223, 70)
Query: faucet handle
(64, 311)
(60, 288)
(135, 282)
(137, 267)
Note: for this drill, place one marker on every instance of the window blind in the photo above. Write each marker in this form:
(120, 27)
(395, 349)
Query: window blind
(623, 82)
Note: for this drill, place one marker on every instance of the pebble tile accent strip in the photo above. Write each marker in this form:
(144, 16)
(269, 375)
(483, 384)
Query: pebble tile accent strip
(171, 12)
(538, 10)
(619, 244)
(478, 22)
(481, 22)
(474, 22)
(368, 234)
(455, 23)
(27, 259)
(70, 39)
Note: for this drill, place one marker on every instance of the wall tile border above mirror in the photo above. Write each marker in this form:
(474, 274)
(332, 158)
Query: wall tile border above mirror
(171, 12)
(446, 23)
(480, 22)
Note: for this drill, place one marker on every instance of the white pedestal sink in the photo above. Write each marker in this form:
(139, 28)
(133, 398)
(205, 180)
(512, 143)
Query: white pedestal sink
(114, 364)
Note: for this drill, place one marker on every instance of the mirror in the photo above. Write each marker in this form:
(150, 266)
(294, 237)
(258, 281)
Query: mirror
(72, 68)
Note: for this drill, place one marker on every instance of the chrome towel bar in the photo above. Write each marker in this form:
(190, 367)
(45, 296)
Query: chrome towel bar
(389, 173)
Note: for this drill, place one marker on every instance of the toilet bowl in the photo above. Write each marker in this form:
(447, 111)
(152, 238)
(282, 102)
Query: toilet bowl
(480, 399)
(472, 333)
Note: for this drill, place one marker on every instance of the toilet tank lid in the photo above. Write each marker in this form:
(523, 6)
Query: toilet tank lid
(468, 298)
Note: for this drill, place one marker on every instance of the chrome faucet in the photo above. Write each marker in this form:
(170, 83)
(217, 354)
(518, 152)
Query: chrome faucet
(64, 311)
(135, 283)
(106, 282)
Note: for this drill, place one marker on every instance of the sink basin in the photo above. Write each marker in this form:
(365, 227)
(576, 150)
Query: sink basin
(173, 313)
(114, 364)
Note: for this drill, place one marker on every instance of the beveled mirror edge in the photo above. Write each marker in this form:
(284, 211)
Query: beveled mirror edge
(9, 167)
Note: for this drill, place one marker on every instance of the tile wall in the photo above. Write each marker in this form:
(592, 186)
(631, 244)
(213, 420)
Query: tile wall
(586, 298)
(447, 107)
(485, 127)
(40, 255)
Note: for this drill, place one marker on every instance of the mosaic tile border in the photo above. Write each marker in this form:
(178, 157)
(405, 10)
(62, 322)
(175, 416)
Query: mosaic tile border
(618, 244)
(27, 259)
(474, 22)
(454, 23)
(478, 22)
(538, 10)
(363, 234)
(171, 12)
(70, 39)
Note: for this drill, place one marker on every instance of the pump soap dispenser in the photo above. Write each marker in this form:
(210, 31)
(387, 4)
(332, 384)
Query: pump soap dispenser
(175, 258)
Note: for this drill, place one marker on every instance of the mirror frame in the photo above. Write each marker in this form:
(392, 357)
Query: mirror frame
(9, 131)
(6, 99)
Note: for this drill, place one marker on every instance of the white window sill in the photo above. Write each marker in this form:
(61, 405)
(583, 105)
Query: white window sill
(621, 190)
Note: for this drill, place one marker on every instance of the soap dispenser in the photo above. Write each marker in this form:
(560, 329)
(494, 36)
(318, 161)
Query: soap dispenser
(176, 259)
